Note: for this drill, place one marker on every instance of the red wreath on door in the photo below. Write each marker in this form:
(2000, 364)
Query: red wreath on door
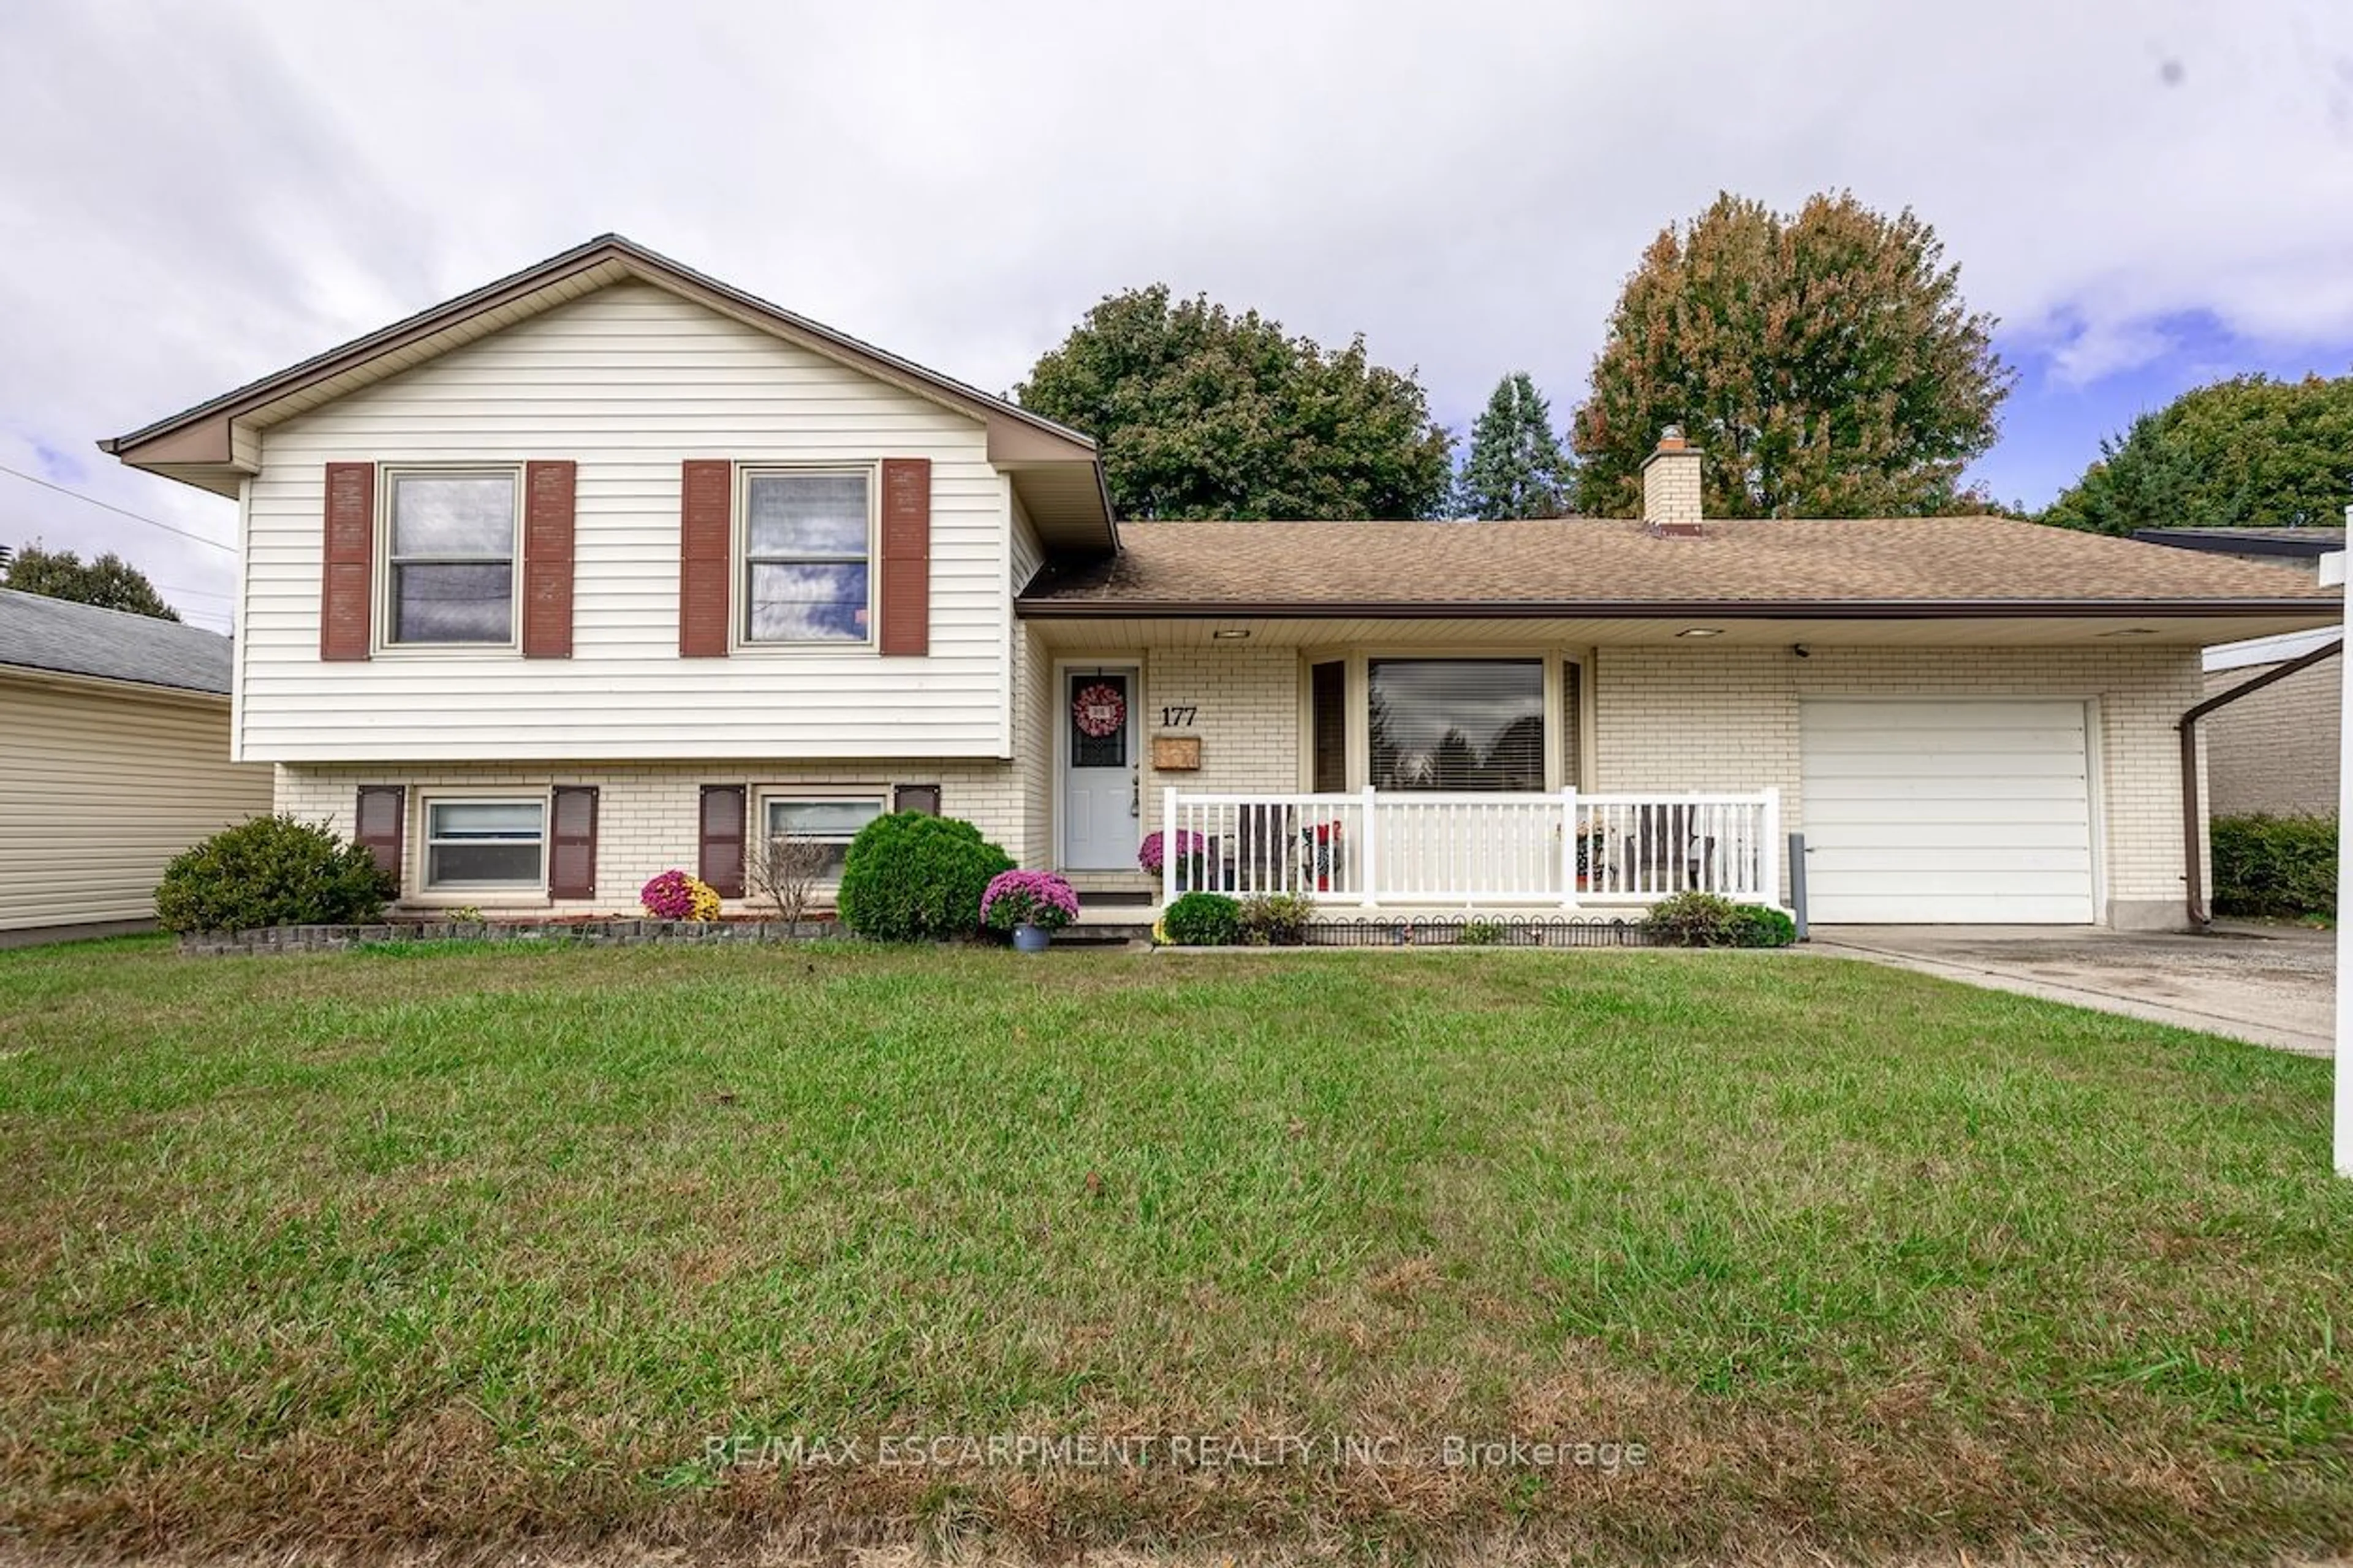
(1099, 711)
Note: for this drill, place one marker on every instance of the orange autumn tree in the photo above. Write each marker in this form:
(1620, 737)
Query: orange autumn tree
(1825, 363)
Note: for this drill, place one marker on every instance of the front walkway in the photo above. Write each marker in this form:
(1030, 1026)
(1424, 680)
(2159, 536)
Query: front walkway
(2274, 985)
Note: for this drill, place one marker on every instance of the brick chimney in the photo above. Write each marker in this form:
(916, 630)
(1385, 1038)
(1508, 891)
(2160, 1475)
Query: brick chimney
(1671, 485)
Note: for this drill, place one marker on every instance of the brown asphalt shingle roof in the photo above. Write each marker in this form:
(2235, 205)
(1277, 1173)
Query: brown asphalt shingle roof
(1573, 564)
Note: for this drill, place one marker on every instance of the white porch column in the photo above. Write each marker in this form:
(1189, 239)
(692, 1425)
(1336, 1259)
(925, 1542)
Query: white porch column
(1568, 847)
(1168, 846)
(1768, 854)
(1370, 896)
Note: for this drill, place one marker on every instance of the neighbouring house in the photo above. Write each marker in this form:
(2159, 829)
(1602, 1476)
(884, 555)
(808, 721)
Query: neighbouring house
(115, 758)
(2275, 748)
(608, 567)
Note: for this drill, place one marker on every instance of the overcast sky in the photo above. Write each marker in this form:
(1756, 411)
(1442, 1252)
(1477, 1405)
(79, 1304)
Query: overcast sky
(2148, 193)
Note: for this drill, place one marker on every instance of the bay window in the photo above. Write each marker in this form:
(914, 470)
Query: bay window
(1456, 724)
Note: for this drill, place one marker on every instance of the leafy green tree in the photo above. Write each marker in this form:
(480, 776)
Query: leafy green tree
(1824, 363)
(110, 582)
(2249, 452)
(1205, 414)
(1516, 467)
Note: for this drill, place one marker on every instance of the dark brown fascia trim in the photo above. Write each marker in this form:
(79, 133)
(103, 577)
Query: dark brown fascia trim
(1664, 609)
(2220, 543)
(579, 258)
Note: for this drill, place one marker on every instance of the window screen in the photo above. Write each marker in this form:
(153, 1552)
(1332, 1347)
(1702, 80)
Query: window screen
(484, 843)
(451, 556)
(805, 560)
(830, 824)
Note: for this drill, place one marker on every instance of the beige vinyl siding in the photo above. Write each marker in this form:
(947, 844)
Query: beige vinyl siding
(99, 787)
(629, 381)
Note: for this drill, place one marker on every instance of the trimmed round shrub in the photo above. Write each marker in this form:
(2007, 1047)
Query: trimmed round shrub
(1204, 919)
(271, 872)
(1709, 920)
(1761, 925)
(910, 877)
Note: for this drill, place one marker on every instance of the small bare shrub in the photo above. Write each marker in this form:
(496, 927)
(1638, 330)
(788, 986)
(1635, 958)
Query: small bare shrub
(785, 870)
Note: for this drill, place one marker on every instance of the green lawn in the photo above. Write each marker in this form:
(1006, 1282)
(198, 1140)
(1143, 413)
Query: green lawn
(471, 1246)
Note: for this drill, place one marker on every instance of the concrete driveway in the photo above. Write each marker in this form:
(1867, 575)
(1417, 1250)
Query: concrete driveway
(2276, 985)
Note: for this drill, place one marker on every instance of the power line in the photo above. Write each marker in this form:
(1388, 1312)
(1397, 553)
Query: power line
(109, 506)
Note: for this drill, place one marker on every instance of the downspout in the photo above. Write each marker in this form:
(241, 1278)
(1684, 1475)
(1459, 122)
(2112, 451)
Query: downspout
(2193, 837)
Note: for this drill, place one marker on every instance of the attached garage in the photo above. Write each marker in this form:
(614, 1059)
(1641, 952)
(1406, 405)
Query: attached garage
(1930, 812)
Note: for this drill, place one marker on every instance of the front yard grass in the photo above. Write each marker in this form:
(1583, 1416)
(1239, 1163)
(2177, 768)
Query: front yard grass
(367, 1251)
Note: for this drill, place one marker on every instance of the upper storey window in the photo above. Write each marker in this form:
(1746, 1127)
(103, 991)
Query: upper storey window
(450, 559)
(807, 557)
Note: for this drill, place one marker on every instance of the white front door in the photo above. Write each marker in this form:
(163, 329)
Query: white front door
(1099, 782)
(1948, 812)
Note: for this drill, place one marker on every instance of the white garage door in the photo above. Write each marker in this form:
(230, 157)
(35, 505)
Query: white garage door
(1948, 812)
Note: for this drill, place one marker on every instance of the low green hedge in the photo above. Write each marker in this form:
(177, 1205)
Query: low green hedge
(2284, 867)
(1204, 919)
(1708, 920)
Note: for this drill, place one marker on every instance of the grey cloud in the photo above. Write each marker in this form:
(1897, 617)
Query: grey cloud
(200, 194)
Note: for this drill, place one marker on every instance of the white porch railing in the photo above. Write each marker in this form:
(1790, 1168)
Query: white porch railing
(1369, 848)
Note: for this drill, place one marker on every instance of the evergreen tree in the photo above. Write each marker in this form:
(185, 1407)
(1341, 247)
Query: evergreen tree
(1516, 467)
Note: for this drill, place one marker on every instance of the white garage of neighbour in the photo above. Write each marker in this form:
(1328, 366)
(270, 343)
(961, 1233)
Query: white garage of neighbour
(1976, 811)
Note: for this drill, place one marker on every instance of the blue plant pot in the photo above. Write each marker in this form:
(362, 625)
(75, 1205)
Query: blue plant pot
(1031, 938)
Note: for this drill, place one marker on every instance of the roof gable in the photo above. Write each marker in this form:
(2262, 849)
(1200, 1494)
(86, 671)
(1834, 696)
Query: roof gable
(212, 445)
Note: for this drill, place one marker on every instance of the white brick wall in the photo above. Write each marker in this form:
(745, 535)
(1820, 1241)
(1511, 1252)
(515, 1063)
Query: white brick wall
(1664, 718)
(1679, 719)
(1033, 746)
(1249, 722)
(646, 812)
(1670, 487)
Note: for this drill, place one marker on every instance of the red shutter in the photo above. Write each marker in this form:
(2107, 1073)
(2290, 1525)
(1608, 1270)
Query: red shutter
(379, 823)
(572, 843)
(347, 577)
(906, 555)
(547, 559)
(706, 552)
(720, 862)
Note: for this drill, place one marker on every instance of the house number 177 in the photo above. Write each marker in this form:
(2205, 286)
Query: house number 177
(1178, 717)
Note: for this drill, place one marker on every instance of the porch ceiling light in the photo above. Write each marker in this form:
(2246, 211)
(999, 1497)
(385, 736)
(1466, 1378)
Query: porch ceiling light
(1701, 632)
(1229, 634)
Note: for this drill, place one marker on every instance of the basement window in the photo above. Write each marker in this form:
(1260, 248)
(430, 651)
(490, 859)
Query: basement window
(485, 844)
(829, 822)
